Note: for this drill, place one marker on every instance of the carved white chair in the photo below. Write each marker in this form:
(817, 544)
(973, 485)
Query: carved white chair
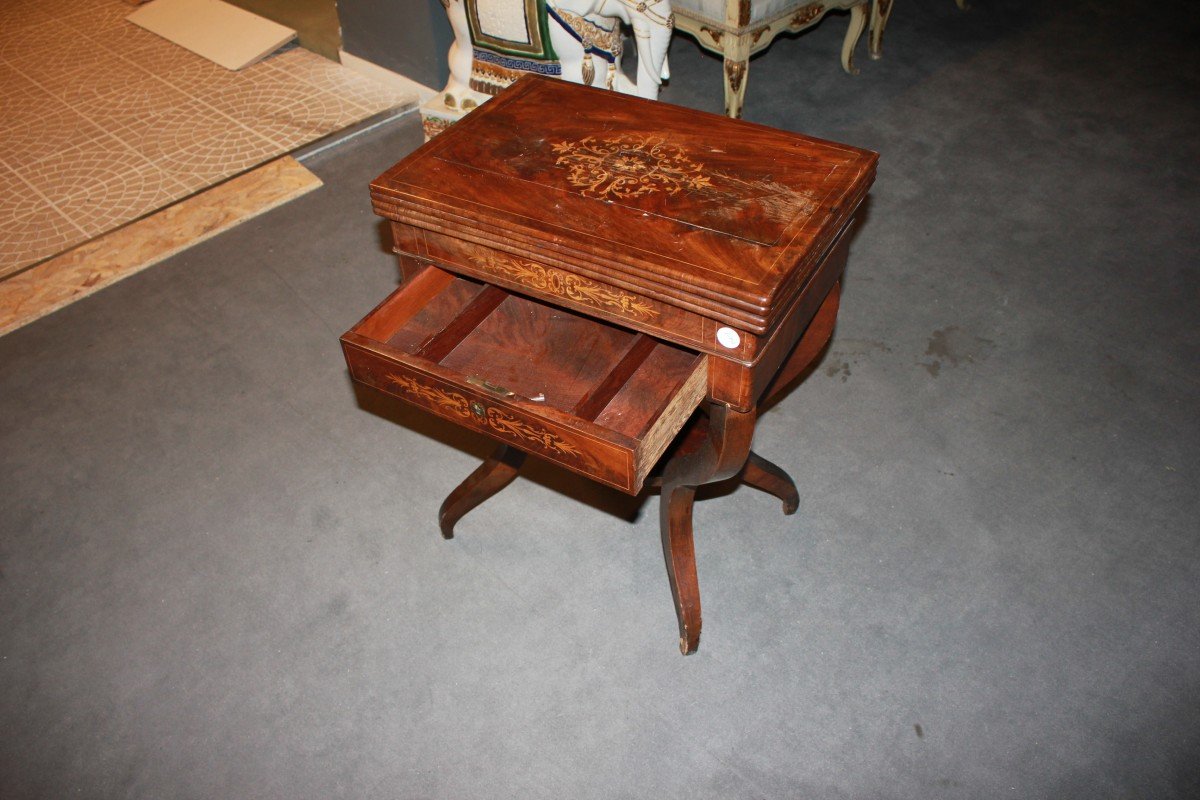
(737, 29)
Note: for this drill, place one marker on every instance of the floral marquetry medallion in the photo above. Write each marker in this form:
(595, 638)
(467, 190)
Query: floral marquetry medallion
(653, 174)
(628, 166)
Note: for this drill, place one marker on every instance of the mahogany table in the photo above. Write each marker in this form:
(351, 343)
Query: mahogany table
(599, 280)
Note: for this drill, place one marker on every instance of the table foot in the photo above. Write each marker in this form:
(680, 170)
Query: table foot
(762, 474)
(721, 455)
(675, 519)
(489, 478)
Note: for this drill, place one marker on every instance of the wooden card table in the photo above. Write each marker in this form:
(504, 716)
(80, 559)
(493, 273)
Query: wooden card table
(599, 280)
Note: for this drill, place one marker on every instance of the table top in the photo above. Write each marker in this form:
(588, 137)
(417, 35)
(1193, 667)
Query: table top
(719, 213)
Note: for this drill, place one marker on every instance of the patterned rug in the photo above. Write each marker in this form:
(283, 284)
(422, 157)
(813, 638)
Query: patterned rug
(102, 122)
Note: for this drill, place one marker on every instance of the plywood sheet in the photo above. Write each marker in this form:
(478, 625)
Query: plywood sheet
(220, 32)
(90, 267)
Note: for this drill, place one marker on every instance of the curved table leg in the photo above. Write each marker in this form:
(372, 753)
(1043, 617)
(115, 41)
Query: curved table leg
(488, 478)
(762, 474)
(720, 449)
(721, 455)
(757, 472)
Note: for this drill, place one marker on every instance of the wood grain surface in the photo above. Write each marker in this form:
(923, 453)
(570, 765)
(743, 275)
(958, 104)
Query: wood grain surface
(719, 213)
(598, 399)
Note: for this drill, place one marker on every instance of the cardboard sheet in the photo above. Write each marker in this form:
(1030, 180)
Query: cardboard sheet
(222, 33)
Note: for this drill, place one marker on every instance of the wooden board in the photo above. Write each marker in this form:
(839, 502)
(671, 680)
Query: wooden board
(222, 33)
(86, 269)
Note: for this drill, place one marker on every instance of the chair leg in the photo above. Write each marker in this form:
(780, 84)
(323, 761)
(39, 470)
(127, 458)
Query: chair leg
(488, 478)
(881, 10)
(858, 21)
(737, 64)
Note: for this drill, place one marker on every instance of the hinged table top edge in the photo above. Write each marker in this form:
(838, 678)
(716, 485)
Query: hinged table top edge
(489, 173)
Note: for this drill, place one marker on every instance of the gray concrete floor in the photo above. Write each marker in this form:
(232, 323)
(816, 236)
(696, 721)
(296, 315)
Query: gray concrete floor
(220, 574)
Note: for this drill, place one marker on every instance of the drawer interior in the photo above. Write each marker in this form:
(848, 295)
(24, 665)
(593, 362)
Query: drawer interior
(543, 360)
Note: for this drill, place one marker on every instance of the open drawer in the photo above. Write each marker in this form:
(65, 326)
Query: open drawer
(598, 399)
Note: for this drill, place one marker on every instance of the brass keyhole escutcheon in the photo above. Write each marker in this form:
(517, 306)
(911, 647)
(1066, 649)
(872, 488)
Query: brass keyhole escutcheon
(477, 408)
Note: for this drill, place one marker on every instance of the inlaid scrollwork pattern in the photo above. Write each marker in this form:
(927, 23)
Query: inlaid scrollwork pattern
(455, 404)
(630, 166)
(564, 284)
(504, 423)
(450, 402)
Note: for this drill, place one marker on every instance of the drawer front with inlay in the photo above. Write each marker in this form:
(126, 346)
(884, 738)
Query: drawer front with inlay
(563, 285)
(598, 399)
